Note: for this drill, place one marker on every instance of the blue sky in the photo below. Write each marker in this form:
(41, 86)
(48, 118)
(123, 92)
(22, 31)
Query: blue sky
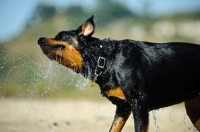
(14, 13)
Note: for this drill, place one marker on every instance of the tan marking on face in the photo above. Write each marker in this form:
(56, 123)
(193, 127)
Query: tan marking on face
(75, 41)
(70, 57)
(117, 92)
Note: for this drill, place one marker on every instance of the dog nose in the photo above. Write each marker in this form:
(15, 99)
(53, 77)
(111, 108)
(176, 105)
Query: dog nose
(41, 40)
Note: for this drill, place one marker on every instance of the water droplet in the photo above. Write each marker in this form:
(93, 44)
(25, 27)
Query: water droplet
(155, 118)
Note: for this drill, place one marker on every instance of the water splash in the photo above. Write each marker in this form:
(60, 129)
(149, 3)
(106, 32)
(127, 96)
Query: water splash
(82, 82)
(170, 116)
(155, 118)
(48, 70)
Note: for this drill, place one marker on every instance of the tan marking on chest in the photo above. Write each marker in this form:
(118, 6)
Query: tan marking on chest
(117, 92)
(197, 124)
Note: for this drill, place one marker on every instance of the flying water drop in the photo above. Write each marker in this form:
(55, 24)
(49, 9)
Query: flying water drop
(155, 118)
(49, 68)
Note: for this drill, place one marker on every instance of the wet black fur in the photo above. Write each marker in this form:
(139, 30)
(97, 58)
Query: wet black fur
(151, 75)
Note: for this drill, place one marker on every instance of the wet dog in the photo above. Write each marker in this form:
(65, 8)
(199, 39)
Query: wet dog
(136, 76)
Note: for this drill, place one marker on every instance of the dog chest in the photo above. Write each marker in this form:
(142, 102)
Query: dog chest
(117, 92)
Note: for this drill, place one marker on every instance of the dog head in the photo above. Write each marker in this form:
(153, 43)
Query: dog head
(65, 46)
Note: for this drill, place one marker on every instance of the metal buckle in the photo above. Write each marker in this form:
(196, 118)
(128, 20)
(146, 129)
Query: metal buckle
(97, 74)
(101, 62)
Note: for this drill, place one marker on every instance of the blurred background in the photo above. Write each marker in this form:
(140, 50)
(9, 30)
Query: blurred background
(26, 73)
(32, 88)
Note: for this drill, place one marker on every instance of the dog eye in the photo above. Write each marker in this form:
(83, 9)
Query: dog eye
(61, 47)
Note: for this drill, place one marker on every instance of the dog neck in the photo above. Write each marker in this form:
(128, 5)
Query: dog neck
(101, 62)
(95, 55)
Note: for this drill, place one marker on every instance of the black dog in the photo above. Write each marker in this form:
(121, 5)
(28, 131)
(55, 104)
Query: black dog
(135, 76)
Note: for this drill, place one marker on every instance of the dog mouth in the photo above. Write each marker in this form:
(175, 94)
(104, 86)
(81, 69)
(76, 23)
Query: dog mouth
(62, 52)
(57, 47)
(53, 52)
(50, 49)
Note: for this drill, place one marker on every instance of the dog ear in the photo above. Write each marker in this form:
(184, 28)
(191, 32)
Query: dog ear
(87, 28)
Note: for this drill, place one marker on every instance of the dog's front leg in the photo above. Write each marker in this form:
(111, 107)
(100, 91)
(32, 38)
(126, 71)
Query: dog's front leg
(140, 114)
(120, 119)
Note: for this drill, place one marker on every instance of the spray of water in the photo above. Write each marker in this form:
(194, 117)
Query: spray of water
(155, 119)
(48, 70)
(170, 116)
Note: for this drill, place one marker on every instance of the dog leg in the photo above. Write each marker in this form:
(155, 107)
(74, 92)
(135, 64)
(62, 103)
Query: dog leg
(193, 111)
(120, 119)
(197, 124)
(140, 114)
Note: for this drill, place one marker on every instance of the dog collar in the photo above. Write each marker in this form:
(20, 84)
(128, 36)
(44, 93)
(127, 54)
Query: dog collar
(101, 62)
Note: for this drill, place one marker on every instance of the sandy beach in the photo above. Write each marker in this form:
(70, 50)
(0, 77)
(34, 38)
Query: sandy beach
(48, 115)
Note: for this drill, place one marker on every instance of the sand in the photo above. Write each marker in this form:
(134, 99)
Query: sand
(56, 115)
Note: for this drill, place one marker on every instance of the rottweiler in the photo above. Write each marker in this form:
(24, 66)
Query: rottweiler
(136, 76)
